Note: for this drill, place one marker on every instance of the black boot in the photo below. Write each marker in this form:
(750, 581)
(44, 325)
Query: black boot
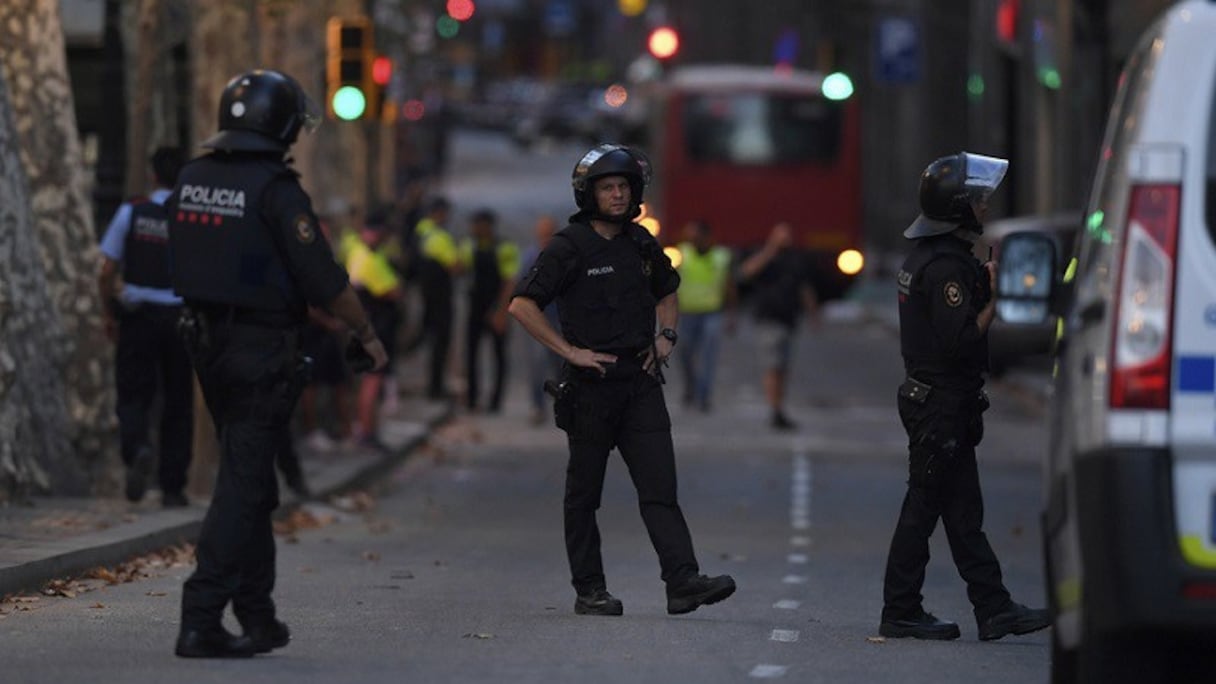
(923, 626)
(212, 643)
(1017, 619)
(267, 636)
(697, 591)
(598, 602)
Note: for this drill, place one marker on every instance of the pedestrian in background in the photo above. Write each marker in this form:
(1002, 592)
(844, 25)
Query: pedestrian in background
(946, 304)
(707, 302)
(142, 318)
(380, 289)
(783, 289)
(439, 264)
(613, 282)
(248, 259)
(492, 264)
(543, 364)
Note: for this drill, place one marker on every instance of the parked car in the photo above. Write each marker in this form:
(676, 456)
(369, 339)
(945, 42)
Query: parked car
(1021, 335)
(1129, 526)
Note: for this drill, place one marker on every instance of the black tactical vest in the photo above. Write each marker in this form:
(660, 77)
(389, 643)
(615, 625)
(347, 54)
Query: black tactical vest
(145, 260)
(924, 355)
(222, 249)
(609, 305)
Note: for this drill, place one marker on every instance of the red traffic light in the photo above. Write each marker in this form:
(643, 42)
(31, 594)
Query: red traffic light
(664, 42)
(382, 70)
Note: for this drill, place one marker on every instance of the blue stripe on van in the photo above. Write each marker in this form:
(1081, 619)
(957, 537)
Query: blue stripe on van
(1197, 374)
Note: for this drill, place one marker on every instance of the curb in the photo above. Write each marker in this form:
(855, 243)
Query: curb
(112, 547)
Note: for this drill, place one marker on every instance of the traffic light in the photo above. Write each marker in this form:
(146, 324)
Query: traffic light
(351, 91)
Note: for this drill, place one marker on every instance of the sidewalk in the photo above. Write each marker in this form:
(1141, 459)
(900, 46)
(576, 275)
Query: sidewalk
(64, 537)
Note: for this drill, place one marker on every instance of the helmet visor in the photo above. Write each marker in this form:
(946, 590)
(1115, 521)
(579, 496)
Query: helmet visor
(984, 175)
(310, 113)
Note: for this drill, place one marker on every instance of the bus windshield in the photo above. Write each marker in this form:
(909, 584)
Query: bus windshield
(756, 129)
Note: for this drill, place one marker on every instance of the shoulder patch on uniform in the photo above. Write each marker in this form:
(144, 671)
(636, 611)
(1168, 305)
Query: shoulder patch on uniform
(305, 229)
(953, 293)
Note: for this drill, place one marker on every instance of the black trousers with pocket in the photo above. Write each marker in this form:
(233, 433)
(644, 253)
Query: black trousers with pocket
(245, 373)
(628, 413)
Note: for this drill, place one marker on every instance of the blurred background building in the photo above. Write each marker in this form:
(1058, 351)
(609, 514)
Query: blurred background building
(1026, 79)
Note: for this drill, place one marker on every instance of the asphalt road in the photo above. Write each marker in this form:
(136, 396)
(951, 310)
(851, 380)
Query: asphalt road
(458, 574)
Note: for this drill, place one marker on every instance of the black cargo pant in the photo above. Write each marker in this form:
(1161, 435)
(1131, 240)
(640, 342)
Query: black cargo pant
(246, 376)
(437, 326)
(943, 483)
(151, 356)
(477, 327)
(627, 412)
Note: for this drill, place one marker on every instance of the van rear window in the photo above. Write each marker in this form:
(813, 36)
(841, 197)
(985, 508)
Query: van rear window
(755, 129)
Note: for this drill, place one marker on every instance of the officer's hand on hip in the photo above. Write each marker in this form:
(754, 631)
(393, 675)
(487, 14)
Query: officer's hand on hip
(375, 348)
(587, 358)
(657, 354)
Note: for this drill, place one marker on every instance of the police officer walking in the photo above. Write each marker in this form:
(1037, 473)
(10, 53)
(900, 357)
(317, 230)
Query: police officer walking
(946, 304)
(143, 317)
(248, 258)
(612, 281)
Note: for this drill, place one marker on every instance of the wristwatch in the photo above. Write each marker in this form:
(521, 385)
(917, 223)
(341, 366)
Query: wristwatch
(670, 335)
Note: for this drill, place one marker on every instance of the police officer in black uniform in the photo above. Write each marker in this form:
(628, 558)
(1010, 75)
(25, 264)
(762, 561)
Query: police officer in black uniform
(248, 258)
(149, 355)
(611, 281)
(946, 303)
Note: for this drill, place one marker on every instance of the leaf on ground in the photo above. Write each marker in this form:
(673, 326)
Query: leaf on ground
(371, 556)
(876, 639)
(478, 635)
(97, 606)
(156, 593)
(27, 599)
(354, 502)
(104, 574)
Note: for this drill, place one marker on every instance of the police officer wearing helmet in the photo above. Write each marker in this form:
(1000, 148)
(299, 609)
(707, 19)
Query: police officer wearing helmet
(248, 258)
(611, 282)
(946, 304)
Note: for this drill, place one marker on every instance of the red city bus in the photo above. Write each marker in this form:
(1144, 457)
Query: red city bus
(746, 147)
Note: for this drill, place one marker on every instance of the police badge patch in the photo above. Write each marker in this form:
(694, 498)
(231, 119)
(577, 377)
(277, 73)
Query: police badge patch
(954, 294)
(305, 231)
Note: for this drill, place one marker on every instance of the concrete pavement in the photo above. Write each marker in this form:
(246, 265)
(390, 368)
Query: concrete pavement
(60, 538)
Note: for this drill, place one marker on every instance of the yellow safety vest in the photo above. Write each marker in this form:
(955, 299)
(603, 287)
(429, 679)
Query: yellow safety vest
(703, 279)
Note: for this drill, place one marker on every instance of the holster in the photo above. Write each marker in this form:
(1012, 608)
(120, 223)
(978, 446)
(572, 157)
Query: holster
(940, 425)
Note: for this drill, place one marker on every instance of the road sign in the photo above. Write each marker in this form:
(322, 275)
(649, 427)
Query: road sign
(897, 43)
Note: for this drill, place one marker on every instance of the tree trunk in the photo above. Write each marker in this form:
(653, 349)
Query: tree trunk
(150, 50)
(59, 383)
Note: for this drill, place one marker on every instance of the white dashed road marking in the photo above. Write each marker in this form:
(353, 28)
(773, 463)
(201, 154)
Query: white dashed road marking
(787, 604)
(768, 671)
(784, 635)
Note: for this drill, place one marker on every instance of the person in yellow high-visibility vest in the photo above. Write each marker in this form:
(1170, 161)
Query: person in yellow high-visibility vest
(380, 290)
(492, 264)
(707, 304)
(439, 262)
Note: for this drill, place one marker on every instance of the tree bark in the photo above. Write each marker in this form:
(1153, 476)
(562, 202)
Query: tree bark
(51, 314)
(150, 50)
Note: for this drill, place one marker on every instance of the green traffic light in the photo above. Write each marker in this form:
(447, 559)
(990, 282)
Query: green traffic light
(837, 86)
(349, 103)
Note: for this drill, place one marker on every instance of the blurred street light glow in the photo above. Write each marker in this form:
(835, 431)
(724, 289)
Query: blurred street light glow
(631, 8)
(676, 256)
(349, 103)
(461, 10)
(616, 95)
(850, 262)
(447, 27)
(664, 42)
(837, 86)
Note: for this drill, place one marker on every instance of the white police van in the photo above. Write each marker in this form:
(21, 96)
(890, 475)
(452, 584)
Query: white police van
(1129, 524)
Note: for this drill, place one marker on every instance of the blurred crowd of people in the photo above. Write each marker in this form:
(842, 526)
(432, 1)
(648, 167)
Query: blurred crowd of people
(408, 263)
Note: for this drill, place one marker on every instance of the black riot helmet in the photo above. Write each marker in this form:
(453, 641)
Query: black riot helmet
(949, 186)
(262, 111)
(610, 159)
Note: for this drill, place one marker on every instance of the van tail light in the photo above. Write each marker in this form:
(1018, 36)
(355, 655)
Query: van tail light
(1140, 377)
